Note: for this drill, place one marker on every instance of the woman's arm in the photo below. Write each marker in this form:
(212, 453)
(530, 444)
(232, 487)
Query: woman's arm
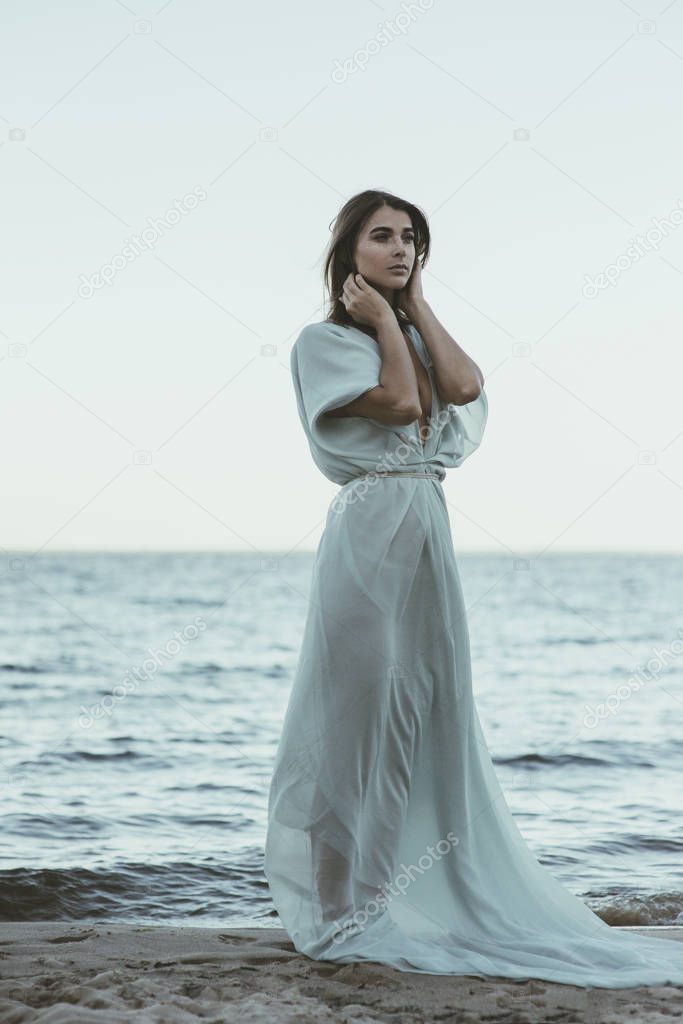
(396, 398)
(458, 378)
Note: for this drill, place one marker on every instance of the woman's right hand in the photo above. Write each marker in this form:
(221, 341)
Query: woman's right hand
(363, 302)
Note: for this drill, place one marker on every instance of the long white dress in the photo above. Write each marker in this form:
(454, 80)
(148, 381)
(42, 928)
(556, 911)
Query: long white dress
(389, 838)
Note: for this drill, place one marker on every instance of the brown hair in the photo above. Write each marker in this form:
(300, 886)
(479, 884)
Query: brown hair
(339, 262)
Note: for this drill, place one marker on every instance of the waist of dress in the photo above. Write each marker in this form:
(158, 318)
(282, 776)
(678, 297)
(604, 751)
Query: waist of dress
(400, 472)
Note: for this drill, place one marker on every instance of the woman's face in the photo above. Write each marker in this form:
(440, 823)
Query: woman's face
(386, 239)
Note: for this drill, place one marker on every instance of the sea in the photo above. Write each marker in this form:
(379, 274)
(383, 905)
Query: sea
(142, 697)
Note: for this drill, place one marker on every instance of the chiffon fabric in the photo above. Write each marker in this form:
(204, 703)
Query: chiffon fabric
(389, 838)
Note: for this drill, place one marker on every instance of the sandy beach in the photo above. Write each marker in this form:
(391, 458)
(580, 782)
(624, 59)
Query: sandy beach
(77, 973)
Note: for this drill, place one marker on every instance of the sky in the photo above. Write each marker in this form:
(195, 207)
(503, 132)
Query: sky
(169, 177)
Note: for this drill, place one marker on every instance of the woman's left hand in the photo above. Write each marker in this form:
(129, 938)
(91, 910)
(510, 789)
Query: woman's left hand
(411, 297)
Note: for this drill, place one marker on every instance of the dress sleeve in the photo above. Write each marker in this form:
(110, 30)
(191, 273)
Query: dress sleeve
(468, 423)
(330, 367)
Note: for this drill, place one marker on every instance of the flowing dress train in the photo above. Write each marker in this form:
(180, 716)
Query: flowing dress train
(389, 838)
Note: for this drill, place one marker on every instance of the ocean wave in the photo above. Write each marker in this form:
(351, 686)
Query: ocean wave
(130, 892)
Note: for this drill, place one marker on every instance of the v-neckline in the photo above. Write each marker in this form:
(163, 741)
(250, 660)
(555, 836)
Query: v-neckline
(419, 349)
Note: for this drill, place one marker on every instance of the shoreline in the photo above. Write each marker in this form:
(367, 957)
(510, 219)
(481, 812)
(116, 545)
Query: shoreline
(90, 971)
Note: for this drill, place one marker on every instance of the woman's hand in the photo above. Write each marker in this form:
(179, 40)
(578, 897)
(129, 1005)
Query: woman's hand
(363, 302)
(411, 297)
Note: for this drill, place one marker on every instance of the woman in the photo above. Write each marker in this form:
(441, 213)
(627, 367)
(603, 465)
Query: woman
(389, 838)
